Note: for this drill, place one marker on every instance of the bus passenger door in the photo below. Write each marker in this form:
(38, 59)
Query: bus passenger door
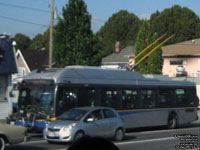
(165, 101)
(67, 99)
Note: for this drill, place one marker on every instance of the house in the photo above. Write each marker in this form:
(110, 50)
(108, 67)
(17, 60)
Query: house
(29, 60)
(118, 59)
(182, 57)
(7, 68)
(36, 59)
(23, 68)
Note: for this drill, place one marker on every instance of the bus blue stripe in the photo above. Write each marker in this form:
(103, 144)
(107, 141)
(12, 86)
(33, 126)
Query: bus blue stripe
(29, 123)
(123, 113)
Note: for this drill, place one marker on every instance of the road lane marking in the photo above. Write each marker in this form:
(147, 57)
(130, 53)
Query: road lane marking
(143, 141)
(168, 130)
(121, 143)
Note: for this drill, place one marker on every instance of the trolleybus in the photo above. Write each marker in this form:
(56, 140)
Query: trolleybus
(142, 101)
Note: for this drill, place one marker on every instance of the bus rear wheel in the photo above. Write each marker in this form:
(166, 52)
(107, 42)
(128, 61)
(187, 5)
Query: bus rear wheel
(172, 121)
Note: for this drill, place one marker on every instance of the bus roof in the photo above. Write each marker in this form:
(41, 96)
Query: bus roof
(99, 76)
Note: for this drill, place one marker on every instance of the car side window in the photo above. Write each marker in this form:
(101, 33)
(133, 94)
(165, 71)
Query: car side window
(109, 113)
(96, 115)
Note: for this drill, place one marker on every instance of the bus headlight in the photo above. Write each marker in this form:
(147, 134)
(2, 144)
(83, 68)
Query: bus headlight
(21, 111)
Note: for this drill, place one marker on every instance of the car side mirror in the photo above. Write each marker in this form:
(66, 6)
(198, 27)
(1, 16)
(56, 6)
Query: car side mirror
(90, 119)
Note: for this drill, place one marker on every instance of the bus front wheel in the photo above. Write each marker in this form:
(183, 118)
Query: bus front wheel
(172, 121)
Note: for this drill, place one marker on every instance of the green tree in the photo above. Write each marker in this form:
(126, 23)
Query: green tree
(22, 41)
(153, 63)
(40, 41)
(121, 26)
(155, 58)
(198, 30)
(36, 42)
(74, 41)
(177, 20)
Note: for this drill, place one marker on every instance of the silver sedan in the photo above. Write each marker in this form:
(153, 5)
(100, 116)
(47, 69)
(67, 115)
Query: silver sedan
(92, 121)
(11, 134)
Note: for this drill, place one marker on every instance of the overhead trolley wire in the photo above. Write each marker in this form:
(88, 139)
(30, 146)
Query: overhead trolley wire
(28, 22)
(24, 7)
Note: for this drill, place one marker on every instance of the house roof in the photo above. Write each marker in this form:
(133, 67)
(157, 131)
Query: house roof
(191, 48)
(7, 57)
(120, 57)
(36, 59)
(19, 54)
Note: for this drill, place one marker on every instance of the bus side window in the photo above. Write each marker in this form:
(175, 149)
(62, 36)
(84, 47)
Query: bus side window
(164, 98)
(129, 99)
(87, 97)
(191, 97)
(93, 97)
(148, 98)
(110, 98)
(181, 99)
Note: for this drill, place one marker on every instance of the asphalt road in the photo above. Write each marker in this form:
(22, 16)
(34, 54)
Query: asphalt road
(185, 137)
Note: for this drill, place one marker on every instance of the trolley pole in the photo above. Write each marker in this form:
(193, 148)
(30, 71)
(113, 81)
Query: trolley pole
(51, 35)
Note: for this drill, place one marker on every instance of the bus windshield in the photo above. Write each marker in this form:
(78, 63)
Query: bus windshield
(41, 97)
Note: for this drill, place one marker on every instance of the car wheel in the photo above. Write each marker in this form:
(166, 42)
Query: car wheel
(172, 121)
(2, 143)
(119, 134)
(78, 135)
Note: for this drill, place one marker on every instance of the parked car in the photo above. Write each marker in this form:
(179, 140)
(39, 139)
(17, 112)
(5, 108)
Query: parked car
(91, 121)
(180, 71)
(11, 134)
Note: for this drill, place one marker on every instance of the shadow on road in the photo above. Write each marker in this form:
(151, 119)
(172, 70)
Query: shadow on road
(129, 137)
(25, 147)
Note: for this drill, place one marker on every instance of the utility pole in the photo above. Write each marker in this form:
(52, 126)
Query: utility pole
(51, 35)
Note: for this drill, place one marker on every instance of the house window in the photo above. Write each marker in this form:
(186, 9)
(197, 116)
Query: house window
(176, 62)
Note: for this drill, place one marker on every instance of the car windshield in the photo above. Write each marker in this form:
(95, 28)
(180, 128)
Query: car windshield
(74, 114)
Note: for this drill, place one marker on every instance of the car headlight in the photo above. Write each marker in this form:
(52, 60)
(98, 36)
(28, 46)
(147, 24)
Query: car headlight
(65, 131)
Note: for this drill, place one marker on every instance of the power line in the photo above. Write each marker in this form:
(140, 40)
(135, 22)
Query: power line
(24, 7)
(22, 21)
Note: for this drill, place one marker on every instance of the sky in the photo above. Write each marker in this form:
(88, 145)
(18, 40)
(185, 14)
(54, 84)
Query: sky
(31, 17)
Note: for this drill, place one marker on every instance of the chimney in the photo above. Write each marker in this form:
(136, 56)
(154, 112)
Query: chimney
(193, 41)
(117, 47)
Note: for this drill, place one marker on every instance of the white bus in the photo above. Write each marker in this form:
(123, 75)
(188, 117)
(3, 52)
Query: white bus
(142, 101)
